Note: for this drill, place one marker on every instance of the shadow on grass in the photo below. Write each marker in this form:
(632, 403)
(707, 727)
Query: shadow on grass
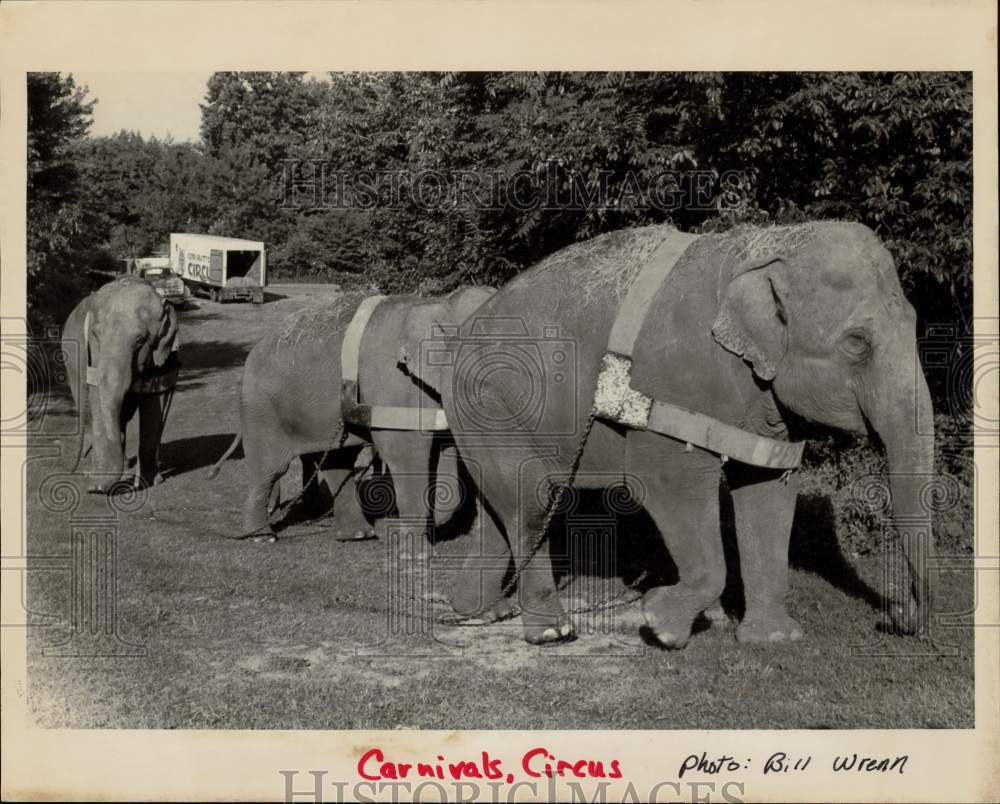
(590, 541)
(184, 455)
(814, 548)
(201, 356)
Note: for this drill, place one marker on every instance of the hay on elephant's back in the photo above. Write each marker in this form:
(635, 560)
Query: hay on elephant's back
(747, 242)
(318, 322)
(611, 261)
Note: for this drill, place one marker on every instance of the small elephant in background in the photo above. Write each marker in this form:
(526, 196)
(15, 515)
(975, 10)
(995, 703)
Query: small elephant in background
(119, 346)
(290, 405)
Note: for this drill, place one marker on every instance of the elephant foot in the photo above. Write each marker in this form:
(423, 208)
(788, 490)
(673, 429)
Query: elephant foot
(545, 622)
(141, 482)
(778, 627)
(670, 626)
(263, 535)
(474, 613)
(360, 534)
(717, 617)
(111, 489)
(907, 619)
(554, 634)
(384, 528)
(263, 538)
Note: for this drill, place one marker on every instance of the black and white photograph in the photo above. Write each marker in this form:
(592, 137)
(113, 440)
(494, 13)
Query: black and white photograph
(506, 400)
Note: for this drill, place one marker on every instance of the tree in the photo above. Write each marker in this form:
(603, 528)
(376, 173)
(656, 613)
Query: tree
(59, 116)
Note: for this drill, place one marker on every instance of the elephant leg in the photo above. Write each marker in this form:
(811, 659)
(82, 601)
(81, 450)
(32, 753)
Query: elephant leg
(334, 488)
(542, 613)
(764, 506)
(681, 493)
(151, 408)
(267, 458)
(716, 615)
(408, 457)
(109, 448)
(478, 585)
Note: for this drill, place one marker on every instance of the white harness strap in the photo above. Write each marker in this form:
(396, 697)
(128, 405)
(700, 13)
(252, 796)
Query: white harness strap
(350, 349)
(91, 370)
(616, 400)
(379, 417)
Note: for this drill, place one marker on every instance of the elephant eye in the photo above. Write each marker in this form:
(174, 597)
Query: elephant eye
(858, 345)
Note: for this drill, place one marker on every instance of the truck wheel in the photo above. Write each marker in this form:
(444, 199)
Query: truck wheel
(213, 294)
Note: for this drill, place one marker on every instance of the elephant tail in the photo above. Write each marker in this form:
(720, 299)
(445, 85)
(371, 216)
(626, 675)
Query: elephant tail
(225, 456)
(83, 446)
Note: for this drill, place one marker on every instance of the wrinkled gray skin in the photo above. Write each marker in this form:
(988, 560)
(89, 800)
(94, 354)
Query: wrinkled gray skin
(132, 333)
(751, 324)
(290, 404)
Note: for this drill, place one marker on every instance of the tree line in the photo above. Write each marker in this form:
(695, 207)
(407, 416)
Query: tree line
(421, 181)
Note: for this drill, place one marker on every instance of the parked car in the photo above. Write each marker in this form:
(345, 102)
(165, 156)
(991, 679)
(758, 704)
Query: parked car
(166, 283)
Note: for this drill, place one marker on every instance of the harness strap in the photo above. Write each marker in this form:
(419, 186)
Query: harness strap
(379, 417)
(632, 313)
(616, 400)
(91, 370)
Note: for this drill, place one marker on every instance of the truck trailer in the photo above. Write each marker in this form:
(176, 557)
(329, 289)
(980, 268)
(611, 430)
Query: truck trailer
(222, 268)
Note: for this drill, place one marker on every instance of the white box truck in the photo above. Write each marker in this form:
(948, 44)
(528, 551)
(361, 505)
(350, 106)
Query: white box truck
(223, 268)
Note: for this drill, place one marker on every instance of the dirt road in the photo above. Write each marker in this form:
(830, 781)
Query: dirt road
(308, 632)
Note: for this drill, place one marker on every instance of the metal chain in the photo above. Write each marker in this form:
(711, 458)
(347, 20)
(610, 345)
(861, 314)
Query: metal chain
(554, 505)
(341, 438)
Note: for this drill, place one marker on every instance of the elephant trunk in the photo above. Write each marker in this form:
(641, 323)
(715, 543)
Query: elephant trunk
(904, 421)
(112, 384)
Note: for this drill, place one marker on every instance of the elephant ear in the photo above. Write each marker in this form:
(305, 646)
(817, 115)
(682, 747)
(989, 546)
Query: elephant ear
(752, 320)
(167, 335)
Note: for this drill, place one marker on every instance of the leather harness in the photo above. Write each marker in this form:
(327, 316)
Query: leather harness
(378, 417)
(615, 400)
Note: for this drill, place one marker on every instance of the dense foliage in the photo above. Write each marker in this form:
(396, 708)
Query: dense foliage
(423, 180)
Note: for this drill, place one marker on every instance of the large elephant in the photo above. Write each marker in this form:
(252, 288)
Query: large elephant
(290, 403)
(757, 328)
(119, 347)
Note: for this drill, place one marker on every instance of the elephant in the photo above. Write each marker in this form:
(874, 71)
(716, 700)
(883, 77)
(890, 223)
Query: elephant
(119, 346)
(760, 328)
(291, 404)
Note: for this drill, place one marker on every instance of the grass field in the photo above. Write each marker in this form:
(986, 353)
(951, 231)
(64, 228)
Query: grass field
(298, 634)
